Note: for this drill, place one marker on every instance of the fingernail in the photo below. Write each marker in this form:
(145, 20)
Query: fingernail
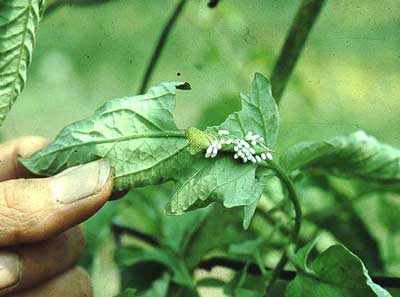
(80, 182)
(10, 268)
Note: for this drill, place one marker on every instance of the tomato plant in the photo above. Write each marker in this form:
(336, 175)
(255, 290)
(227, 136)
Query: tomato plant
(236, 201)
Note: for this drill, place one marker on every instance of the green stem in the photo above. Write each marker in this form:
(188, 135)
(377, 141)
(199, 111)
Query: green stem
(294, 44)
(294, 234)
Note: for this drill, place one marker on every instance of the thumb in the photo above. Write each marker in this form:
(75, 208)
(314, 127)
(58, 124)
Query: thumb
(36, 209)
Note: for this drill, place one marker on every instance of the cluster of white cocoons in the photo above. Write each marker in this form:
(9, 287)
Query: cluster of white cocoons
(244, 148)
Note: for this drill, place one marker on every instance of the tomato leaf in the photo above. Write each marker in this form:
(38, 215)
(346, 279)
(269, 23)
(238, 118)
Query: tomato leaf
(259, 113)
(357, 155)
(224, 180)
(336, 272)
(137, 135)
(19, 20)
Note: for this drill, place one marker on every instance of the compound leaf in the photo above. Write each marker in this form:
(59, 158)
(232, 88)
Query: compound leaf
(137, 135)
(19, 20)
(357, 155)
(336, 272)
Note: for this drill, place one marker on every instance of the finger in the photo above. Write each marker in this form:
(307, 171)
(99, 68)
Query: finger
(25, 266)
(36, 209)
(73, 283)
(10, 168)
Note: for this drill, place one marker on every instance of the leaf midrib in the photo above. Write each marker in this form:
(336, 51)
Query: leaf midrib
(166, 134)
(22, 45)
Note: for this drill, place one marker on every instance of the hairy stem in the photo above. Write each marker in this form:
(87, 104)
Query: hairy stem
(293, 46)
(294, 234)
(160, 45)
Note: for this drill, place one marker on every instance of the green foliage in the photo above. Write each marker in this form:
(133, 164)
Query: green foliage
(158, 254)
(158, 288)
(140, 139)
(137, 135)
(259, 113)
(128, 293)
(388, 212)
(221, 180)
(130, 256)
(357, 155)
(219, 230)
(337, 217)
(226, 180)
(19, 20)
(245, 285)
(336, 272)
(247, 293)
(300, 258)
(181, 241)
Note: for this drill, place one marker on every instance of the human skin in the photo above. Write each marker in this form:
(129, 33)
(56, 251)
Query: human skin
(40, 237)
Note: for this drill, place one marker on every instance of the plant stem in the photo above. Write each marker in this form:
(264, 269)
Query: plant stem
(160, 45)
(293, 46)
(294, 234)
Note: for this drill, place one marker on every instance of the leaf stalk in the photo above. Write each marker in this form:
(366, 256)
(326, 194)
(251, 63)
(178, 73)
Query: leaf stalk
(294, 234)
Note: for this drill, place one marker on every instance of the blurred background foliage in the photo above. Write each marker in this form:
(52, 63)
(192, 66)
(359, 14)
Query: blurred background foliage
(346, 79)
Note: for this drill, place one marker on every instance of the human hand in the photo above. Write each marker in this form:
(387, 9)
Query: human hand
(40, 241)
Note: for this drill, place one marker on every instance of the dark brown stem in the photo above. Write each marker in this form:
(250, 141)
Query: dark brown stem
(293, 46)
(160, 45)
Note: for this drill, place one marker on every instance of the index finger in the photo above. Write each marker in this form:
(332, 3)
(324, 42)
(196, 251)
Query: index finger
(25, 146)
